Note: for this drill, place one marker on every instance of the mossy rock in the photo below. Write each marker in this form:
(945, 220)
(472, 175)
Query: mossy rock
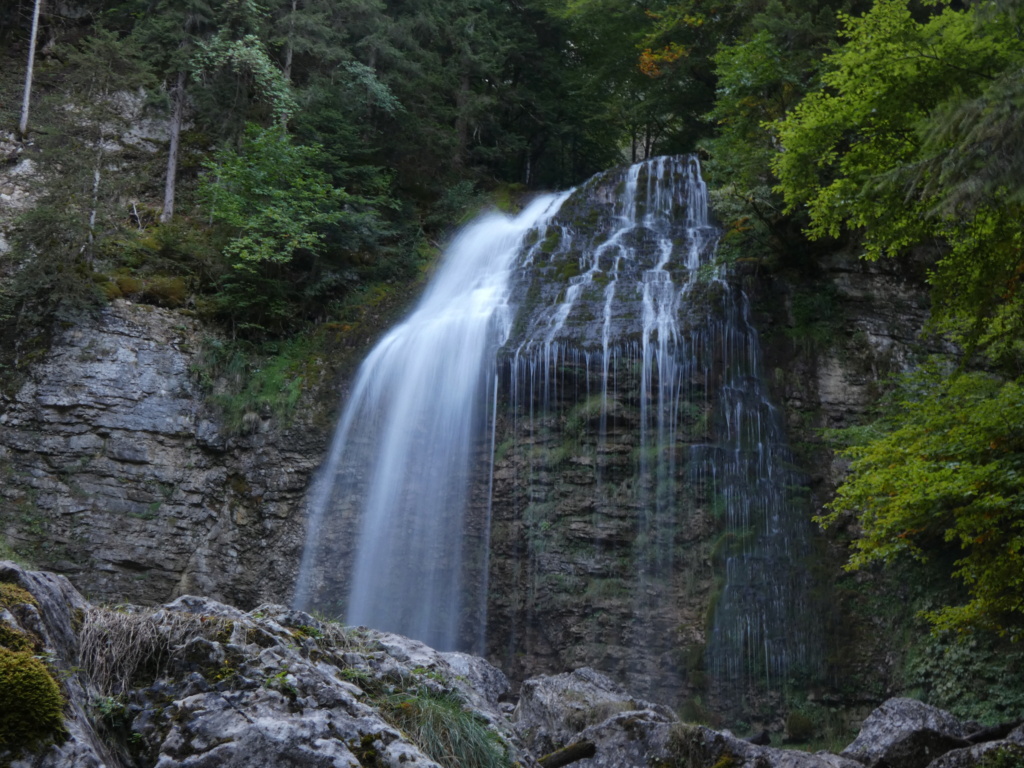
(14, 639)
(31, 708)
(12, 595)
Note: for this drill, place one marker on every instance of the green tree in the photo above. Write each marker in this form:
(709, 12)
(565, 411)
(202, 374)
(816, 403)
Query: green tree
(277, 209)
(90, 169)
(877, 151)
(942, 473)
(893, 149)
(761, 76)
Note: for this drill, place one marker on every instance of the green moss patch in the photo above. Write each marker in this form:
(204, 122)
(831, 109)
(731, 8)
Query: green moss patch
(31, 708)
(12, 595)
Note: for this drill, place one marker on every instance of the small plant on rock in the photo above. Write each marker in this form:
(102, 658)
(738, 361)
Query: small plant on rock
(445, 730)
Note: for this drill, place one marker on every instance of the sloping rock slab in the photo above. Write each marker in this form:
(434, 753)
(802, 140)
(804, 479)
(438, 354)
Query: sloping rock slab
(905, 733)
(215, 687)
(638, 738)
(1002, 753)
(700, 747)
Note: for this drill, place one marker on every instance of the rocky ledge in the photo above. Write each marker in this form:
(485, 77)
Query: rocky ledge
(200, 684)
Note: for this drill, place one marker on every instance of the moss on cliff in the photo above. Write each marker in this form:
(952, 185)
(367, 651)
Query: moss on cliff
(31, 709)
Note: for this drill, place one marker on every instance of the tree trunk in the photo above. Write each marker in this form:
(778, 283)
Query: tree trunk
(177, 115)
(288, 56)
(579, 750)
(23, 123)
(462, 97)
(288, 44)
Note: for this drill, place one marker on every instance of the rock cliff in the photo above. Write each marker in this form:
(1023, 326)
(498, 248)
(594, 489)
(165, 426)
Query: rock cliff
(117, 474)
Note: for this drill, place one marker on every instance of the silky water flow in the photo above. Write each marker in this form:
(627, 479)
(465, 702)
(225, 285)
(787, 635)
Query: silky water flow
(591, 311)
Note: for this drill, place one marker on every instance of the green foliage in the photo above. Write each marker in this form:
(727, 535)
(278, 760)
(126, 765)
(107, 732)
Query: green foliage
(250, 382)
(279, 212)
(975, 678)
(943, 471)
(816, 318)
(31, 709)
(1008, 756)
(891, 147)
(799, 727)
(247, 56)
(272, 198)
(445, 730)
(841, 140)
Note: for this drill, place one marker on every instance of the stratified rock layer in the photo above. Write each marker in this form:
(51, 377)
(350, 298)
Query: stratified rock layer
(116, 474)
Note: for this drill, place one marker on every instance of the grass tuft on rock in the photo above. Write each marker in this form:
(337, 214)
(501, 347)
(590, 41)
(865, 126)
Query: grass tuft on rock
(445, 730)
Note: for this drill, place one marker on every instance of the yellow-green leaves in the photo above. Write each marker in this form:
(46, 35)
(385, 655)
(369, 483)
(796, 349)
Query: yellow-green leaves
(852, 149)
(946, 472)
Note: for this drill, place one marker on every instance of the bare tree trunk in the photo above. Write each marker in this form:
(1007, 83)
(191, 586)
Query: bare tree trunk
(288, 45)
(177, 115)
(462, 97)
(23, 124)
(288, 55)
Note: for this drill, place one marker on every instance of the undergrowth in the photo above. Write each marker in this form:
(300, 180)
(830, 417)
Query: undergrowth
(445, 730)
(118, 647)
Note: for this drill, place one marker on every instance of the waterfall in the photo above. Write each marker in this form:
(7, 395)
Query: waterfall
(587, 372)
(405, 444)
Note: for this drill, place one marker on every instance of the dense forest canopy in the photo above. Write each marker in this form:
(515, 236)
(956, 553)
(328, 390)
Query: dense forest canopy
(318, 148)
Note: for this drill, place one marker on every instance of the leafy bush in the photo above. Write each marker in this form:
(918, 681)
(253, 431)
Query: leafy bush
(974, 677)
(799, 727)
(939, 476)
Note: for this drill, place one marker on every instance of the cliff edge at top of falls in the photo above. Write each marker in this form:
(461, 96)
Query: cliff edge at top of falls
(198, 683)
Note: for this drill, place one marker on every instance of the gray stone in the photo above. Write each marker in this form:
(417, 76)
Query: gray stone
(906, 733)
(1001, 752)
(553, 710)
(240, 690)
(700, 747)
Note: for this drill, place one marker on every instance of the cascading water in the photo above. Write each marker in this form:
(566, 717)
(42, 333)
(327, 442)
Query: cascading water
(588, 373)
(404, 450)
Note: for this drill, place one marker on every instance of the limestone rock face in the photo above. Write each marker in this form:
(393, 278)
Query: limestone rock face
(906, 732)
(553, 710)
(116, 475)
